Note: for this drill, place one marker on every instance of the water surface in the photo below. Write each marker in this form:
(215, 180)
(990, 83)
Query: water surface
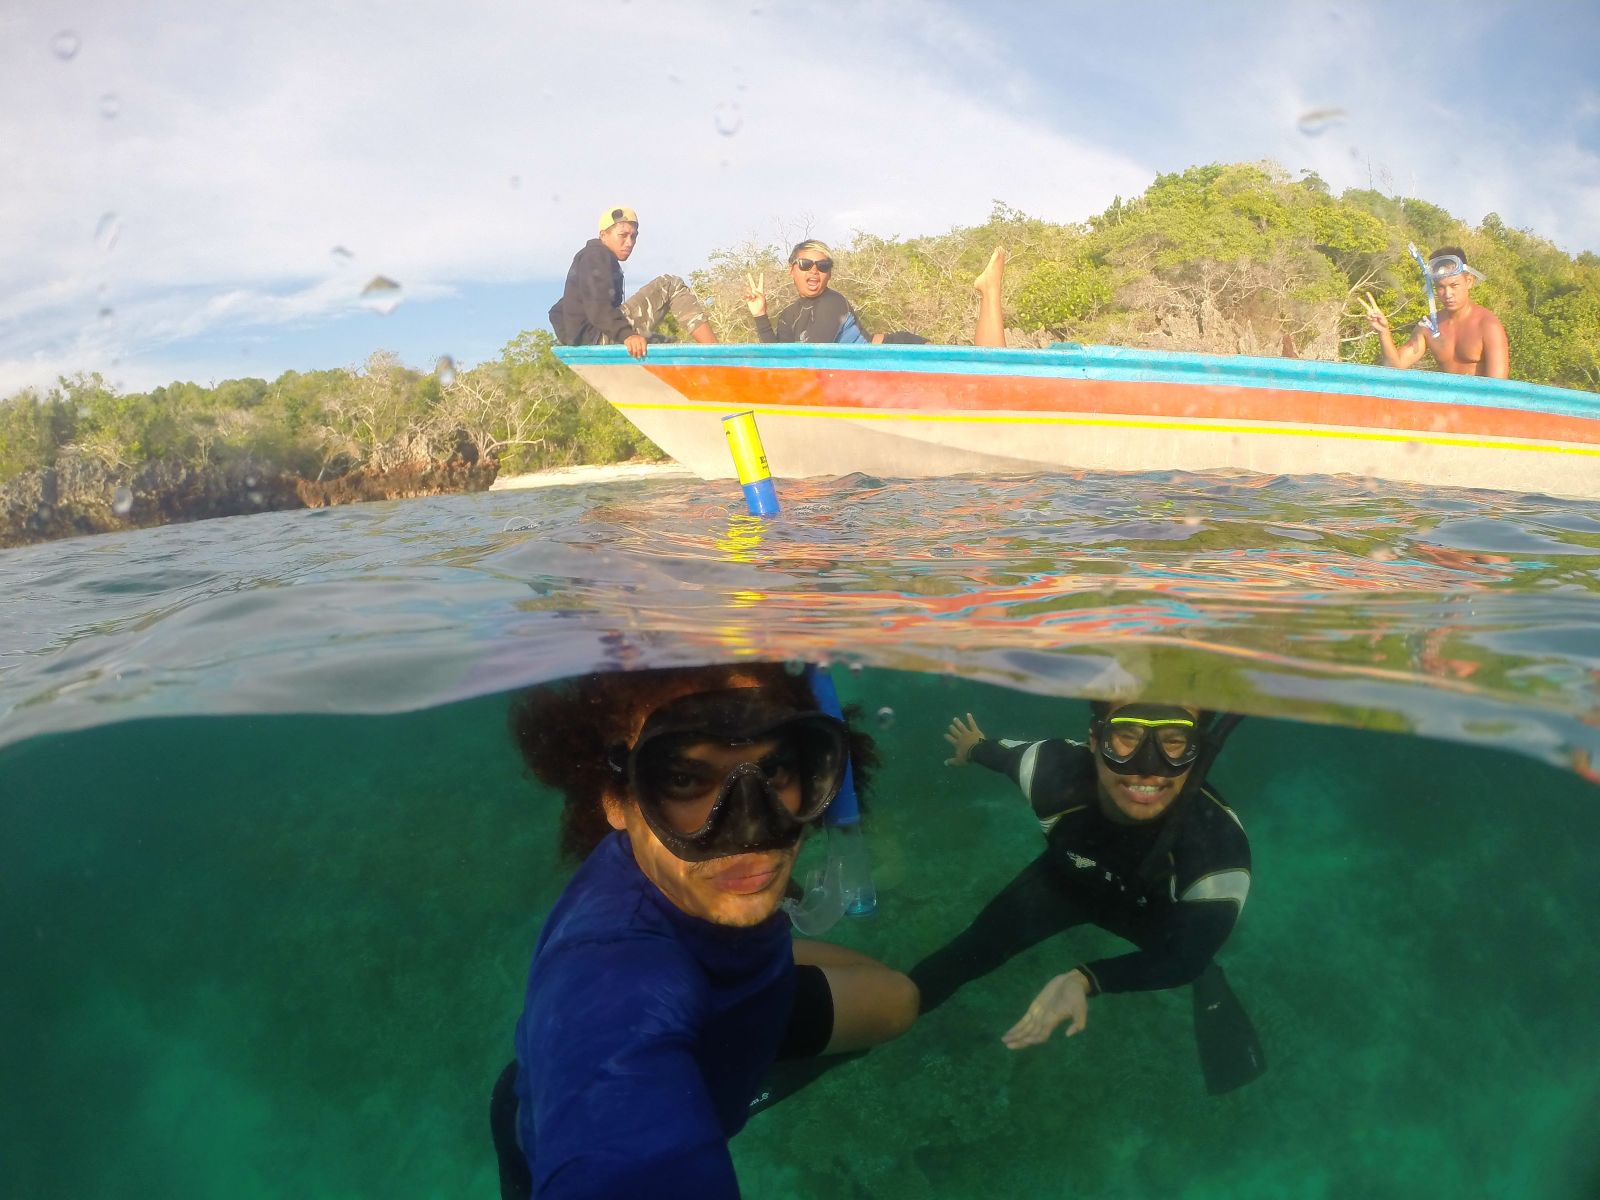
(271, 872)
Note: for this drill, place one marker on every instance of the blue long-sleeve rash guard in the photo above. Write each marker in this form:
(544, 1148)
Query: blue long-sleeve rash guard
(644, 1036)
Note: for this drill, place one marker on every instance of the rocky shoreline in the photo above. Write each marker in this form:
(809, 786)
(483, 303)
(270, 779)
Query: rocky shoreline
(79, 496)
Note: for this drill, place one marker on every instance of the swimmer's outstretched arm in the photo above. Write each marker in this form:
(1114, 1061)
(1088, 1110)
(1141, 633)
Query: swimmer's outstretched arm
(962, 736)
(1064, 998)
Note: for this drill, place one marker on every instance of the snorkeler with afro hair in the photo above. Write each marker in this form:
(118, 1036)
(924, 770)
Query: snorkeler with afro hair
(666, 980)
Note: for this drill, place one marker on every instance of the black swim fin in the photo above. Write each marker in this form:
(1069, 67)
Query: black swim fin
(1230, 1051)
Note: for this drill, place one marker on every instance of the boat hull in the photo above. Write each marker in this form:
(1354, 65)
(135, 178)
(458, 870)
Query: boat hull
(919, 411)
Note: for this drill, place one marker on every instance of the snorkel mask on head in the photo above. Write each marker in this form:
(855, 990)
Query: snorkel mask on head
(1148, 739)
(1439, 267)
(732, 772)
(1446, 266)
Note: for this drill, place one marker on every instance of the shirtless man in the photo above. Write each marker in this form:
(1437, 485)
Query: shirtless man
(1470, 341)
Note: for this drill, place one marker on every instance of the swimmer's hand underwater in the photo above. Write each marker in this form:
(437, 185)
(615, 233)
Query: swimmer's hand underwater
(1065, 998)
(963, 737)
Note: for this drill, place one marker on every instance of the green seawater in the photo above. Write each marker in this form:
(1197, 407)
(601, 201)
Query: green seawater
(279, 950)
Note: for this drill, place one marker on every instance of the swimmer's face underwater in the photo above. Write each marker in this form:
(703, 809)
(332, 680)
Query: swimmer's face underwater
(715, 794)
(1143, 754)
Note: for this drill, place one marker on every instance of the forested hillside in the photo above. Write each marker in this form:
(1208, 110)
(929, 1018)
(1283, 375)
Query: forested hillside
(1223, 259)
(1237, 258)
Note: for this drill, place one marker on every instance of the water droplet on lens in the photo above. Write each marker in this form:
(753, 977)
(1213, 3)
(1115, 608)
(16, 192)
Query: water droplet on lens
(65, 45)
(340, 254)
(107, 312)
(795, 666)
(1317, 121)
(122, 502)
(516, 181)
(382, 295)
(885, 717)
(108, 230)
(445, 369)
(728, 118)
(249, 481)
(256, 498)
(110, 106)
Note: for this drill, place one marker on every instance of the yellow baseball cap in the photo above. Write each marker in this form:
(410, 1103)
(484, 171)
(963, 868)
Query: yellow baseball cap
(619, 212)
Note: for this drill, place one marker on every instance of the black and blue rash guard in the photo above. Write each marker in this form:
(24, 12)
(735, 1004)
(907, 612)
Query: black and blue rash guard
(1180, 913)
(820, 318)
(643, 1038)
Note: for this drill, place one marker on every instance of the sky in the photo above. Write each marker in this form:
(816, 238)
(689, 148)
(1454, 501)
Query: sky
(204, 190)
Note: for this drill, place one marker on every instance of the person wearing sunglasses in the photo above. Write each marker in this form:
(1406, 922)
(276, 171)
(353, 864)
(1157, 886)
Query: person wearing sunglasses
(666, 981)
(592, 311)
(1469, 339)
(1136, 842)
(821, 314)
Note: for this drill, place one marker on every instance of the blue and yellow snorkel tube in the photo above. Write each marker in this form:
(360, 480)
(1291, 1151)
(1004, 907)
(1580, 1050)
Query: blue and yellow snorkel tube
(845, 882)
(1432, 319)
(750, 461)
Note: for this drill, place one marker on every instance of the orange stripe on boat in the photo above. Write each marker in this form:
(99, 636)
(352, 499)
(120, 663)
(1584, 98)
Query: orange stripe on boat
(930, 393)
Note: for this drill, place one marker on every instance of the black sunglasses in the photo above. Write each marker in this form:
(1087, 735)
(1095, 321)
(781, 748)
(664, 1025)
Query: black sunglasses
(825, 265)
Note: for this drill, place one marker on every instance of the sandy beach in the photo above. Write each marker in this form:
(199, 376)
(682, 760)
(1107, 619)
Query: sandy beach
(558, 476)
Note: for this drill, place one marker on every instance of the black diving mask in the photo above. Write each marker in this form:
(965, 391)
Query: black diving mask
(1149, 739)
(731, 772)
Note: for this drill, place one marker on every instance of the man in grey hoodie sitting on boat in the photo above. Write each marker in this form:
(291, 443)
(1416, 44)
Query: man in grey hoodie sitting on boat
(592, 311)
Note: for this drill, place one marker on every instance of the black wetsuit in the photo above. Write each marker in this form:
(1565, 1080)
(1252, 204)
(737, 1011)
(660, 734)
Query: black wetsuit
(818, 318)
(590, 308)
(1178, 912)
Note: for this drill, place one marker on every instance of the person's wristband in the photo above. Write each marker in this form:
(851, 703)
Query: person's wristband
(1091, 984)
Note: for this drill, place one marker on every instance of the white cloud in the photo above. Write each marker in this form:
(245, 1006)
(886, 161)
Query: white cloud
(474, 141)
(245, 146)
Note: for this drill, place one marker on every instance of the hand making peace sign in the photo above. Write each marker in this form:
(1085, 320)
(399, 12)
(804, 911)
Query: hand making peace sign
(756, 297)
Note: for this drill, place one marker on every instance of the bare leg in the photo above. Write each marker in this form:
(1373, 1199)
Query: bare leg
(703, 332)
(872, 1003)
(991, 329)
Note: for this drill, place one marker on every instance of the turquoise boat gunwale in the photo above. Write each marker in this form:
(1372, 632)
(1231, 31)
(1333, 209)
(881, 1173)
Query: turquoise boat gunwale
(1120, 364)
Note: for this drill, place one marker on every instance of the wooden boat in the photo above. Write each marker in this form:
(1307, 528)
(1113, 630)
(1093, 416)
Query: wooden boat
(914, 411)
